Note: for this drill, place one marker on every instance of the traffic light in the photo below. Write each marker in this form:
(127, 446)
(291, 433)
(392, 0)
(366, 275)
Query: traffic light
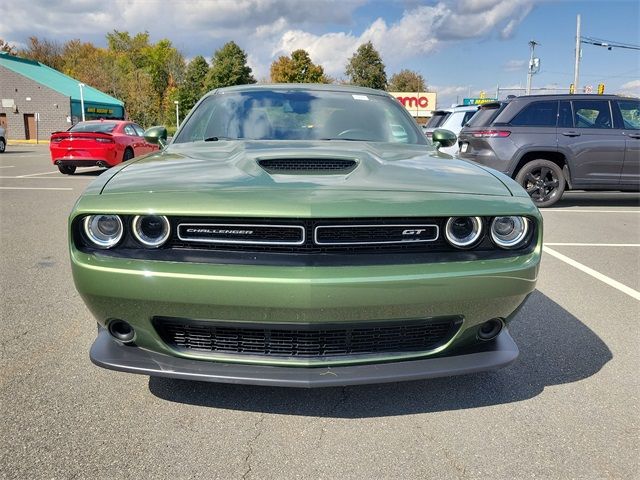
(572, 89)
(600, 88)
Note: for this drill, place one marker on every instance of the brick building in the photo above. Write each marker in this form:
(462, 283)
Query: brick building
(37, 100)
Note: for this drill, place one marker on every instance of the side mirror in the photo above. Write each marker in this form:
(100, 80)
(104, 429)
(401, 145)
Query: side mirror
(157, 136)
(443, 138)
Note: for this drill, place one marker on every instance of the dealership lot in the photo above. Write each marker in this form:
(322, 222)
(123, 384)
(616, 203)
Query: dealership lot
(566, 409)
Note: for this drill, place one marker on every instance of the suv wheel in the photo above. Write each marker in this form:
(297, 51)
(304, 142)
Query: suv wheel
(543, 180)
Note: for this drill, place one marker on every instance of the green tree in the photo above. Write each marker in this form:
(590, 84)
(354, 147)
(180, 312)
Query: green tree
(297, 69)
(407, 81)
(44, 51)
(134, 47)
(193, 85)
(365, 68)
(229, 67)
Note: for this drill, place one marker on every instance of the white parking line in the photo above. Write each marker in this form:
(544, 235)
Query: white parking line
(61, 177)
(592, 244)
(34, 174)
(34, 188)
(590, 271)
(7, 166)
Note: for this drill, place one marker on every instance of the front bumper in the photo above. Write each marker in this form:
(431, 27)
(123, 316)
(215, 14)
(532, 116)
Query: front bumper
(112, 355)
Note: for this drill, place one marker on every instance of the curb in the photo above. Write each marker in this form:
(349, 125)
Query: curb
(27, 142)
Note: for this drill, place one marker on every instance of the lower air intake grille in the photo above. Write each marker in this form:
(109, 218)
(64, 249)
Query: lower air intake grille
(303, 341)
(307, 165)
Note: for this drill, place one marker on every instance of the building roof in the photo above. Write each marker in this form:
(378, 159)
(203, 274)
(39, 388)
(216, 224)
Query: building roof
(55, 80)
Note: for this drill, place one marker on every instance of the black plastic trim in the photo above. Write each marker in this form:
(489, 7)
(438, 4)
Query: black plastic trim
(107, 353)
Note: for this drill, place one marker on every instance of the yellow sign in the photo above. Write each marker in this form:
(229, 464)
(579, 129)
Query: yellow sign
(104, 111)
(600, 88)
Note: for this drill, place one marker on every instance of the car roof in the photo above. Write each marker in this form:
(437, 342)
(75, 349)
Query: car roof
(567, 96)
(319, 87)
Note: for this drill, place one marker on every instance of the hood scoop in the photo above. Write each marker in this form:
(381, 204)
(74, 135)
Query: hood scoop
(308, 166)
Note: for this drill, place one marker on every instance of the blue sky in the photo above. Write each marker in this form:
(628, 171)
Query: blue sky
(459, 46)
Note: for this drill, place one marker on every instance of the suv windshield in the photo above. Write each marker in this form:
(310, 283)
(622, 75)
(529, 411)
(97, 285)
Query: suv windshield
(93, 127)
(437, 119)
(485, 115)
(300, 115)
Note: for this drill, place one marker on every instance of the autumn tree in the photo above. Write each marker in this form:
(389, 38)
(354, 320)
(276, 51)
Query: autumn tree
(44, 51)
(194, 84)
(365, 68)
(229, 67)
(7, 48)
(407, 81)
(297, 69)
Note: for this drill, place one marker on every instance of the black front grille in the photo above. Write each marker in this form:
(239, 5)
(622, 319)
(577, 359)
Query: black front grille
(244, 234)
(308, 340)
(319, 235)
(374, 234)
(308, 165)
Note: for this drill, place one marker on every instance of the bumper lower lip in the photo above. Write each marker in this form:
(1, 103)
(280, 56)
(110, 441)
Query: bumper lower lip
(109, 354)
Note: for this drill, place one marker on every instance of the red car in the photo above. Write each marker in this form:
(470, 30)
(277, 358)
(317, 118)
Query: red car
(102, 143)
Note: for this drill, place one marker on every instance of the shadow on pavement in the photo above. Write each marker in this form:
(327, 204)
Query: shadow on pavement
(598, 199)
(8, 151)
(555, 348)
(89, 173)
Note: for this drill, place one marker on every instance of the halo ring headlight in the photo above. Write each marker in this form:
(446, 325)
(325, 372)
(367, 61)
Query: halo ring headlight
(151, 230)
(103, 231)
(463, 232)
(509, 232)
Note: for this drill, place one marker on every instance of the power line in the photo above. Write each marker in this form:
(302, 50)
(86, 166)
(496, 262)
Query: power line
(609, 44)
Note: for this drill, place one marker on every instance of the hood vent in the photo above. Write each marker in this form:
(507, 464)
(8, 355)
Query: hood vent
(323, 166)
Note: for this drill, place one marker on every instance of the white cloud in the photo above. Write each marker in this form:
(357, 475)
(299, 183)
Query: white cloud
(419, 31)
(632, 85)
(515, 65)
(269, 28)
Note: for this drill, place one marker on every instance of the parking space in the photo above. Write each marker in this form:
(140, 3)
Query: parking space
(566, 409)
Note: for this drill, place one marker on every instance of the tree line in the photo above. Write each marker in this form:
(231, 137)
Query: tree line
(149, 77)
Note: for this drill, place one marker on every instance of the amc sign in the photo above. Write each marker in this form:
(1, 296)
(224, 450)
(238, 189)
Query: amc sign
(418, 104)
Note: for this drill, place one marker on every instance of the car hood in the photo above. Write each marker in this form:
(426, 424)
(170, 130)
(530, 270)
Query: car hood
(233, 165)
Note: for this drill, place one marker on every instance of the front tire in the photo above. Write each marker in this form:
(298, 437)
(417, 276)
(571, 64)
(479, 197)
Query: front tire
(543, 180)
(128, 155)
(67, 169)
(3, 145)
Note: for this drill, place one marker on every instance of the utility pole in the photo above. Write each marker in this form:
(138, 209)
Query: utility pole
(576, 69)
(534, 64)
(82, 85)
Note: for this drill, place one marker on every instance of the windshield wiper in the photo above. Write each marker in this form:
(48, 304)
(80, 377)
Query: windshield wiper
(215, 139)
(346, 139)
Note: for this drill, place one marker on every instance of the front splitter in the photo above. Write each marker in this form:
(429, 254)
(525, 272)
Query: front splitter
(107, 353)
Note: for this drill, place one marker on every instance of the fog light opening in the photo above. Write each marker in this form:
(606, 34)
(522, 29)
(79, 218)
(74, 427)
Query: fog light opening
(490, 330)
(122, 331)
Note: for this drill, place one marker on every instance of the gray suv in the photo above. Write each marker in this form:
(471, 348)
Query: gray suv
(3, 140)
(550, 143)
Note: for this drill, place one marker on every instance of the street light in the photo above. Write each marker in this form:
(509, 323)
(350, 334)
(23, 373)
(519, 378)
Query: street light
(82, 85)
(177, 114)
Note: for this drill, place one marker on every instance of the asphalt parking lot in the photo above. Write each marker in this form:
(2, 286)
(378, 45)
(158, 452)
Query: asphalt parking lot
(568, 408)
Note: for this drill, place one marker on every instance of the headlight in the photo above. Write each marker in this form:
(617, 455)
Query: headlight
(104, 231)
(151, 230)
(509, 232)
(463, 232)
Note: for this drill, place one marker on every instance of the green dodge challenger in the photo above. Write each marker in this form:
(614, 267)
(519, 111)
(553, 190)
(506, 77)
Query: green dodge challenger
(304, 236)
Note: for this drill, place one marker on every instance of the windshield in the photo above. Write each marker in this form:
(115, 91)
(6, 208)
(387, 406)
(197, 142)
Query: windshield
(437, 119)
(93, 127)
(300, 115)
(485, 115)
